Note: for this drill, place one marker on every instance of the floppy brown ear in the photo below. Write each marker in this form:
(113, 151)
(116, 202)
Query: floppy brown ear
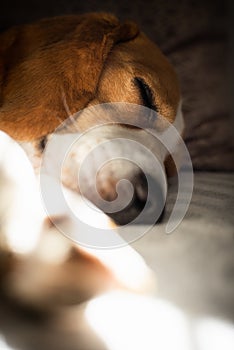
(6, 41)
(51, 69)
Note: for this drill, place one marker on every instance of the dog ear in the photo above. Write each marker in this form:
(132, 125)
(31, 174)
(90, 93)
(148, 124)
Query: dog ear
(6, 41)
(50, 70)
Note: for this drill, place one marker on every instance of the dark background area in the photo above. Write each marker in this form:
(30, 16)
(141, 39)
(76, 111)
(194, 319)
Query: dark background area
(196, 36)
(163, 21)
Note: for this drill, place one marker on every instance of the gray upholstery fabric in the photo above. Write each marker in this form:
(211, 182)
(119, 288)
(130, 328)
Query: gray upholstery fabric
(195, 263)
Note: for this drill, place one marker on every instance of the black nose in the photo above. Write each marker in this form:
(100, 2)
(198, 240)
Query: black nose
(146, 203)
(145, 207)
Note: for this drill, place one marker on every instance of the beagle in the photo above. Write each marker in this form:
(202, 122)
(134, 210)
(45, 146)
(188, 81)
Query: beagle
(54, 68)
(53, 74)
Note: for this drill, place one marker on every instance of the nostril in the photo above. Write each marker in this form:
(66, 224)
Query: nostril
(145, 207)
(141, 187)
(140, 191)
(149, 196)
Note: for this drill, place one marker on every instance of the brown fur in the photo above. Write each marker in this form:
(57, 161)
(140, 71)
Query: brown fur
(76, 61)
(50, 70)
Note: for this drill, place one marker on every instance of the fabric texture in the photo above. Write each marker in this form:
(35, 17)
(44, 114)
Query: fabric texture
(194, 264)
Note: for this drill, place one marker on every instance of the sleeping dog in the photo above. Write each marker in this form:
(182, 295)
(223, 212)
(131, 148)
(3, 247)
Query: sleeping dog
(57, 68)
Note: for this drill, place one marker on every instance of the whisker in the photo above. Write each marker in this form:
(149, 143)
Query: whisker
(70, 122)
(67, 109)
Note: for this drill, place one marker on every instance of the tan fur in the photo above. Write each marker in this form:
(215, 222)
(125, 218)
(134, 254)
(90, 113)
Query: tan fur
(76, 61)
(50, 70)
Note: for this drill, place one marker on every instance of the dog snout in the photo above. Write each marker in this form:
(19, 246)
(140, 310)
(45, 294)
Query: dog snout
(144, 208)
(134, 197)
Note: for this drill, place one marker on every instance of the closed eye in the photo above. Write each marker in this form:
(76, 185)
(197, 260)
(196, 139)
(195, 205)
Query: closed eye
(146, 93)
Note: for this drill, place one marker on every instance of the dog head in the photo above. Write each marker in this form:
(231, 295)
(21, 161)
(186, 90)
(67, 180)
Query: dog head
(56, 67)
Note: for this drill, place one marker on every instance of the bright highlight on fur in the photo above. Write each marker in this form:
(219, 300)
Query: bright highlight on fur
(20, 208)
